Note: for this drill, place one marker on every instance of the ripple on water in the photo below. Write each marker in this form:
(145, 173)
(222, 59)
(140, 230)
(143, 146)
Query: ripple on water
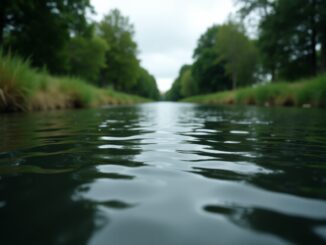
(267, 221)
(238, 132)
(164, 173)
(236, 167)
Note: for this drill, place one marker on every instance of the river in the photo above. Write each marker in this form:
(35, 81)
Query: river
(164, 173)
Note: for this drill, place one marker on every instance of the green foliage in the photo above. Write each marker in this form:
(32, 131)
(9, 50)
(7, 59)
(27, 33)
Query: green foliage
(311, 92)
(291, 45)
(146, 85)
(174, 94)
(224, 57)
(56, 37)
(86, 57)
(291, 34)
(237, 53)
(23, 88)
(123, 98)
(188, 86)
(284, 35)
(251, 5)
(270, 94)
(226, 97)
(208, 72)
(40, 30)
(122, 65)
(80, 93)
(122, 70)
(18, 82)
(183, 85)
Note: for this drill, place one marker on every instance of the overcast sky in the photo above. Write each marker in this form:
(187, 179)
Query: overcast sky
(167, 31)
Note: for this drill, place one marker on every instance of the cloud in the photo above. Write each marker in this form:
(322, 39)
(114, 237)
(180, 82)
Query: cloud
(164, 64)
(167, 31)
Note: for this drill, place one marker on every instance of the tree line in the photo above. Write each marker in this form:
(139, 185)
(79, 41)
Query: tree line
(58, 36)
(289, 44)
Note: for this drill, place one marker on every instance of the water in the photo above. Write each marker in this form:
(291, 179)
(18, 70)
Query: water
(164, 173)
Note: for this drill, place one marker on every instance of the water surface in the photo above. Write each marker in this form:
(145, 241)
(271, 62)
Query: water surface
(164, 173)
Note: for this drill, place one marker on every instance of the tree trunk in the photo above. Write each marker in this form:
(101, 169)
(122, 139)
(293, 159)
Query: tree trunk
(234, 81)
(322, 34)
(2, 23)
(323, 53)
(313, 39)
(313, 53)
(273, 72)
(4, 5)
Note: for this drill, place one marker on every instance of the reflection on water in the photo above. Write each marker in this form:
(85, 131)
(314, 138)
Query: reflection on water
(269, 221)
(164, 173)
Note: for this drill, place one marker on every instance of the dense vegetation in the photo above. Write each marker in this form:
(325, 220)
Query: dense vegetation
(56, 37)
(305, 93)
(289, 45)
(24, 88)
(224, 59)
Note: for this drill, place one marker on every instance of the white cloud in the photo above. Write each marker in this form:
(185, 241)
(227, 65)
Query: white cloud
(167, 31)
(165, 83)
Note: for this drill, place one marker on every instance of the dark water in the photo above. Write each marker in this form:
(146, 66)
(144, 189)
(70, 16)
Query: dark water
(164, 173)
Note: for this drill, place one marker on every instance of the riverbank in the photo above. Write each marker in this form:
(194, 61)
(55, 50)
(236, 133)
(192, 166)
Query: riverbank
(23, 88)
(304, 93)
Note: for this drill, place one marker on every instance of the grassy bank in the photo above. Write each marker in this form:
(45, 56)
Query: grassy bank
(23, 88)
(306, 93)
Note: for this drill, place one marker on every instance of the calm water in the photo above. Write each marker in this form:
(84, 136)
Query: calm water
(164, 173)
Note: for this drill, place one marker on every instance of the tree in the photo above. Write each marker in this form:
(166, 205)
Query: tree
(260, 8)
(174, 94)
(292, 36)
(237, 53)
(321, 26)
(86, 57)
(288, 34)
(224, 57)
(146, 85)
(40, 30)
(122, 64)
(208, 72)
(5, 9)
(183, 86)
(188, 86)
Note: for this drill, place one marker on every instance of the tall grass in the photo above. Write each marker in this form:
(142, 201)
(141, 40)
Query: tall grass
(18, 82)
(23, 88)
(308, 92)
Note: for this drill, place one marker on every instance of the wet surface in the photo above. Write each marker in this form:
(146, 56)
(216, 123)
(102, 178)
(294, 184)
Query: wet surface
(164, 173)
